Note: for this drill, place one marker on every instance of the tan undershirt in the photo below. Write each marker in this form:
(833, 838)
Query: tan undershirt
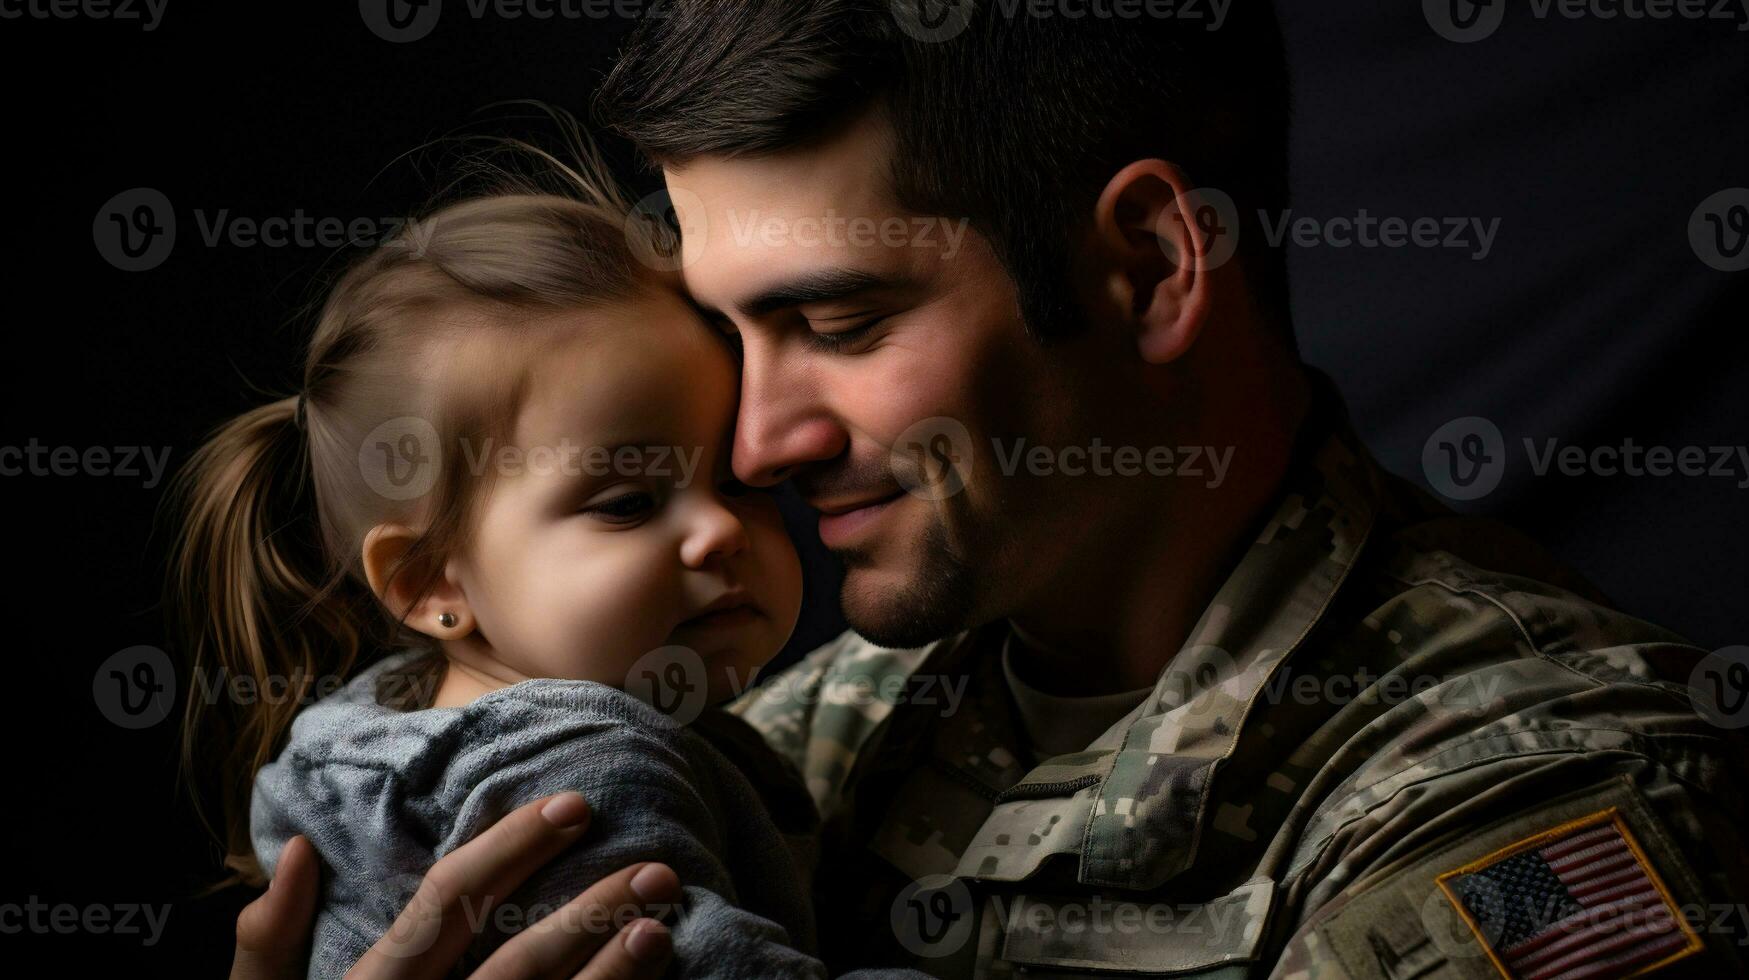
(1057, 725)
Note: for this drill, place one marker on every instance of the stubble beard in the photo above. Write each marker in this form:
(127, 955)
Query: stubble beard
(935, 601)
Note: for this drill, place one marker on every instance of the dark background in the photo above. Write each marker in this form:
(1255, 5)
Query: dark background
(1592, 141)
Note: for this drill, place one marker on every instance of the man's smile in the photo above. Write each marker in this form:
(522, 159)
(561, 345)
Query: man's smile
(842, 521)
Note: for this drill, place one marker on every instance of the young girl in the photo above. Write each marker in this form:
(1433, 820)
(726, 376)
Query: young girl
(505, 494)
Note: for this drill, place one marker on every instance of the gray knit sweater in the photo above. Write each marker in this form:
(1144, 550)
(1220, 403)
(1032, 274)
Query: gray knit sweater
(382, 793)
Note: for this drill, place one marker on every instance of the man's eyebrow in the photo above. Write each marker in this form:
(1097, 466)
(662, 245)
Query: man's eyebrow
(821, 286)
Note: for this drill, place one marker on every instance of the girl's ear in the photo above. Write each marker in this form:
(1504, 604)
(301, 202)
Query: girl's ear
(442, 613)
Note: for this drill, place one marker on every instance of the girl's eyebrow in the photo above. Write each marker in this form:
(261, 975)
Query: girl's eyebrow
(609, 448)
(592, 464)
(589, 450)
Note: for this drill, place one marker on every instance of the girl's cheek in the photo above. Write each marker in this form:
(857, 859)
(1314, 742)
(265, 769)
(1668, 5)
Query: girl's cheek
(764, 519)
(633, 589)
(781, 566)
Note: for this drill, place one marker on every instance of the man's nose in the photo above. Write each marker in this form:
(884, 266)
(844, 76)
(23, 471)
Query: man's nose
(782, 425)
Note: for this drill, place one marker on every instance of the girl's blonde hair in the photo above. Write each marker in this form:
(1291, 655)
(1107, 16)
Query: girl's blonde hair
(267, 592)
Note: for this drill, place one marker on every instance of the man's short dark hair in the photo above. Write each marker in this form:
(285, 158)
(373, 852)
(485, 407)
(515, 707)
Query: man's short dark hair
(1015, 123)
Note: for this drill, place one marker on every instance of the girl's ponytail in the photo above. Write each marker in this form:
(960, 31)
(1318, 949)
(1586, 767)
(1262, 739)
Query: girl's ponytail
(267, 622)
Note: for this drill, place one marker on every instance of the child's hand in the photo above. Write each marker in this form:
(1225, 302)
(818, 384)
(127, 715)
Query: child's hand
(432, 933)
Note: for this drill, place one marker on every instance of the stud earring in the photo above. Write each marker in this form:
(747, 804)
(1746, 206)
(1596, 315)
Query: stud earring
(446, 620)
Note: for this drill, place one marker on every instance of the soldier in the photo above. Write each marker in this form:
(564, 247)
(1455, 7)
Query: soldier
(1297, 721)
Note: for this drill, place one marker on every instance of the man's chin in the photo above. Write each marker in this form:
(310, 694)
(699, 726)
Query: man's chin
(905, 608)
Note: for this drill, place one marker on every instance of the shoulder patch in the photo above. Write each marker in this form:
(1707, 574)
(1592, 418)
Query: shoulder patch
(1585, 885)
(1580, 899)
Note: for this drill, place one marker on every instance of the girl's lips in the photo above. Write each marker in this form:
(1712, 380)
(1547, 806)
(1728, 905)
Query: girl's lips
(728, 618)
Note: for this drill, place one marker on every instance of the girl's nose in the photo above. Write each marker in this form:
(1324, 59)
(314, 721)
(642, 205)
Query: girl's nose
(714, 528)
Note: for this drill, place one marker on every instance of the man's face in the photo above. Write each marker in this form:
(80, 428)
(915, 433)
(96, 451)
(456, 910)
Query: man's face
(863, 328)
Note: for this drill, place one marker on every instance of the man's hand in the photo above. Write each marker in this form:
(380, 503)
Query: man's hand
(273, 932)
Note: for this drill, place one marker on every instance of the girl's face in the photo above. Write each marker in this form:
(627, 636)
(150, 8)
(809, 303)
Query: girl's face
(616, 527)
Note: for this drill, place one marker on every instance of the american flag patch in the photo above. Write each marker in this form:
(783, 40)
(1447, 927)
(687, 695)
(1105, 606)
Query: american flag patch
(1578, 902)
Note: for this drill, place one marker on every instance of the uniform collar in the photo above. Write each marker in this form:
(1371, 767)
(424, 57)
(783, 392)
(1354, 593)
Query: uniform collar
(1144, 791)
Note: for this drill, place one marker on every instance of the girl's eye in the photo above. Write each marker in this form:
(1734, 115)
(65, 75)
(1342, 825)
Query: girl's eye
(623, 509)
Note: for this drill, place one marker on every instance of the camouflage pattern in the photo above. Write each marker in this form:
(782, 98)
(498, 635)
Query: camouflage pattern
(1378, 689)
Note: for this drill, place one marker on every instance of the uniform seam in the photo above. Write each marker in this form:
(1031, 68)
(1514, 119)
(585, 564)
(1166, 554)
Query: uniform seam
(1488, 596)
(1524, 633)
(1631, 750)
(1635, 737)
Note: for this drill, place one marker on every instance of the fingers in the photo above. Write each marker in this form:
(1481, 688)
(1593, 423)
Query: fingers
(463, 887)
(273, 932)
(604, 927)
(642, 953)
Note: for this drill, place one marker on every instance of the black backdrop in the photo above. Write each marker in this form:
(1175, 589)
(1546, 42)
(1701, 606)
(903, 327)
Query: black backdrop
(1592, 319)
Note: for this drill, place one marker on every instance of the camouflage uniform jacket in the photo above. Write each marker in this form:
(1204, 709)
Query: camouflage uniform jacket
(1380, 717)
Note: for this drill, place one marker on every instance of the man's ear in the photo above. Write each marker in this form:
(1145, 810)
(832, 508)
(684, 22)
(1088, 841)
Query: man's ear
(1155, 257)
(384, 547)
